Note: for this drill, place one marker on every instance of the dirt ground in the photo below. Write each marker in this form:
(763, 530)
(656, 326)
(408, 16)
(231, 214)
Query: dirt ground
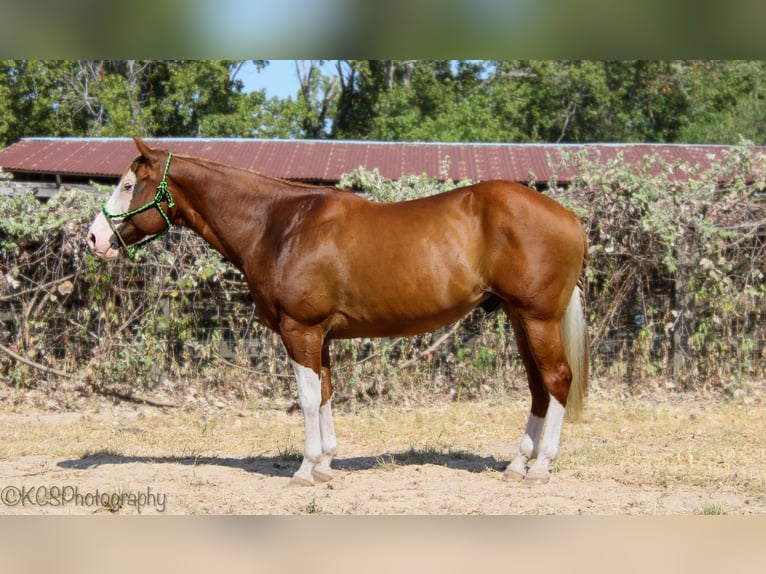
(630, 455)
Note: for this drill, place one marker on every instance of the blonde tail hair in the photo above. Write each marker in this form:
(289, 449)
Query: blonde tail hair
(574, 333)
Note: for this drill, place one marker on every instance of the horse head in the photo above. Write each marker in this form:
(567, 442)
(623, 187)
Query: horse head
(138, 210)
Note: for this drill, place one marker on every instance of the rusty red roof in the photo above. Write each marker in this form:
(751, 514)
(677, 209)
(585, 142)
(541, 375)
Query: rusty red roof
(327, 160)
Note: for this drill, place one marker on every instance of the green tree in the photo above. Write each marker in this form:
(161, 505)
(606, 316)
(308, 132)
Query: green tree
(413, 100)
(730, 102)
(317, 98)
(197, 99)
(551, 101)
(123, 97)
(392, 100)
(586, 101)
(29, 104)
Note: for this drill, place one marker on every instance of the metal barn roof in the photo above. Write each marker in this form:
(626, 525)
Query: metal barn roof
(326, 160)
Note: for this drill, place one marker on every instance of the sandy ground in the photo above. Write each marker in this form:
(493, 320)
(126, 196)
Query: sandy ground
(627, 457)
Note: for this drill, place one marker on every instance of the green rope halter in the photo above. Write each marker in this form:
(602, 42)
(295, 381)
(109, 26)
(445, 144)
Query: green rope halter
(163, 194)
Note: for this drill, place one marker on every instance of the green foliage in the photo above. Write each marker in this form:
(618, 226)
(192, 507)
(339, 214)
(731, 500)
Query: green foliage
(553, 101)
(391, 100)
(25, 222)
(123, 324)
(379, 188)
(700, 236)
(125, 97)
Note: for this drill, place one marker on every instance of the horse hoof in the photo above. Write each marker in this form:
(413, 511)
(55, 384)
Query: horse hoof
(513, 475)
(536, 478)
(297, 481)
(324, 475)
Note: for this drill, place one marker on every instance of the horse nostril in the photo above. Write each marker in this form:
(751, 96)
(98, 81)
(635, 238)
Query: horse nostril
(92, 240)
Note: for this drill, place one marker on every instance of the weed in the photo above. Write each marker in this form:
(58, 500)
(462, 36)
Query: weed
(385, 462)
(312, 507)
(713, 510)
(289, 454)
(101, 453)
(426, 455)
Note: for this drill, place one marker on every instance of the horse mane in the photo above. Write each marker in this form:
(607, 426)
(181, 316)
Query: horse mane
(269, 178)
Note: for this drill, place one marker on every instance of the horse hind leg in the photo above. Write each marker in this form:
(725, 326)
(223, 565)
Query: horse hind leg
(546, 346)
(528, 447)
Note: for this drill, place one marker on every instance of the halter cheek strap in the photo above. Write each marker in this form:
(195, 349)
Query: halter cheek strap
(163, 194)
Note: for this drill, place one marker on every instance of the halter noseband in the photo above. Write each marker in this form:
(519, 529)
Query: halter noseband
(163, 194)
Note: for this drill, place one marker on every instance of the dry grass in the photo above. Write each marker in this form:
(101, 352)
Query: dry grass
(712, 445)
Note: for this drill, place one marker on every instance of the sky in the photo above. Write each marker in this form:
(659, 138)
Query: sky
(278, 78)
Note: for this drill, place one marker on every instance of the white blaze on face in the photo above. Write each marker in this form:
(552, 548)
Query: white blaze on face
(100, 232)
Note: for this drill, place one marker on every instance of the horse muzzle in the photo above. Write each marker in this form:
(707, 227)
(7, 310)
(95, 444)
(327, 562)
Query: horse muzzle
(102, 241)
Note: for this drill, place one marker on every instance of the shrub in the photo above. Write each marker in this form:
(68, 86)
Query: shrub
(675, 290)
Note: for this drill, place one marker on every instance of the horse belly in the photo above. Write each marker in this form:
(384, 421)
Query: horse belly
(395, 304)
(395, 327)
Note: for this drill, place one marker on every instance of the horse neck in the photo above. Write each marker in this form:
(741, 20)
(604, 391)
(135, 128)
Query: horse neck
(226, 206)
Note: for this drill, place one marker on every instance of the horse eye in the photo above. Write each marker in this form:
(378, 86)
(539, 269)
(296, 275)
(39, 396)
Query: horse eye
(127, 186)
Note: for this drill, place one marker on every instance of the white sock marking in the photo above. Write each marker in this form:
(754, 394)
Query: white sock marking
(323, 470)
(531, 440)
(327, 428)
(309, 396)
(528, 445)
(549, 443)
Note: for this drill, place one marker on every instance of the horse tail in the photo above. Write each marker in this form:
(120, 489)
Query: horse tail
(574, 333)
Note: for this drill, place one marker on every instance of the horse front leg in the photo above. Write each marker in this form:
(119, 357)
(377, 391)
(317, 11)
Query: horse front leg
(306, 350)
(322, 471)
(528, 448)
(309, 396)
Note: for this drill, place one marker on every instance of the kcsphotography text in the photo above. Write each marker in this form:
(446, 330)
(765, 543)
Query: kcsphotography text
(67, 495)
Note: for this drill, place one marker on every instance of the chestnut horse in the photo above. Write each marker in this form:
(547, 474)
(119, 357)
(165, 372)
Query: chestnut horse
(325, 264)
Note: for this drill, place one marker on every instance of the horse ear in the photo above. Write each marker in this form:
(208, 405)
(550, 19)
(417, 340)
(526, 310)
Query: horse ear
(145, 150)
